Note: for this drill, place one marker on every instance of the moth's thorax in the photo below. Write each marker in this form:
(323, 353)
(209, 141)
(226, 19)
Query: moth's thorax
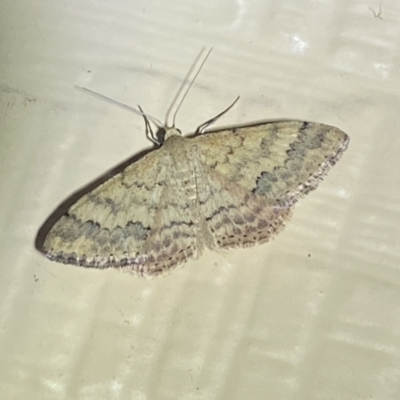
(184, 168)
(179, 148)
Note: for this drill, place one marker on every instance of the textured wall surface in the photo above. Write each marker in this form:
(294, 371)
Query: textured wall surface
(314, 314)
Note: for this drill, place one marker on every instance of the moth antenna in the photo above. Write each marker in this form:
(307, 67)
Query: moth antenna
(206, 124)
(187, 90)
(156, 122)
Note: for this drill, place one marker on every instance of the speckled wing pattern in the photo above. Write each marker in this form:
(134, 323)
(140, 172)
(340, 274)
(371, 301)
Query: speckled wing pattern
(223, 189)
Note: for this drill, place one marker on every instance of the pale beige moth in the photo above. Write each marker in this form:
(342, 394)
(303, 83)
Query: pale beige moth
(218, 190)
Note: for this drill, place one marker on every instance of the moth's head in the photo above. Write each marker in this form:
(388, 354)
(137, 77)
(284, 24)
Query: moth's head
(170, 132)
(163, 131)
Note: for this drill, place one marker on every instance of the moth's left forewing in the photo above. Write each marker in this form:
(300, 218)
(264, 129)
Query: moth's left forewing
(109, 225)
(278, 160)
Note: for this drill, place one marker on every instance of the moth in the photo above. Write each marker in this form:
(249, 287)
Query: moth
(220, 189)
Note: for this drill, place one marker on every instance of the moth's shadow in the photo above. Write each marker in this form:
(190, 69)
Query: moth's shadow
(66, 204)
